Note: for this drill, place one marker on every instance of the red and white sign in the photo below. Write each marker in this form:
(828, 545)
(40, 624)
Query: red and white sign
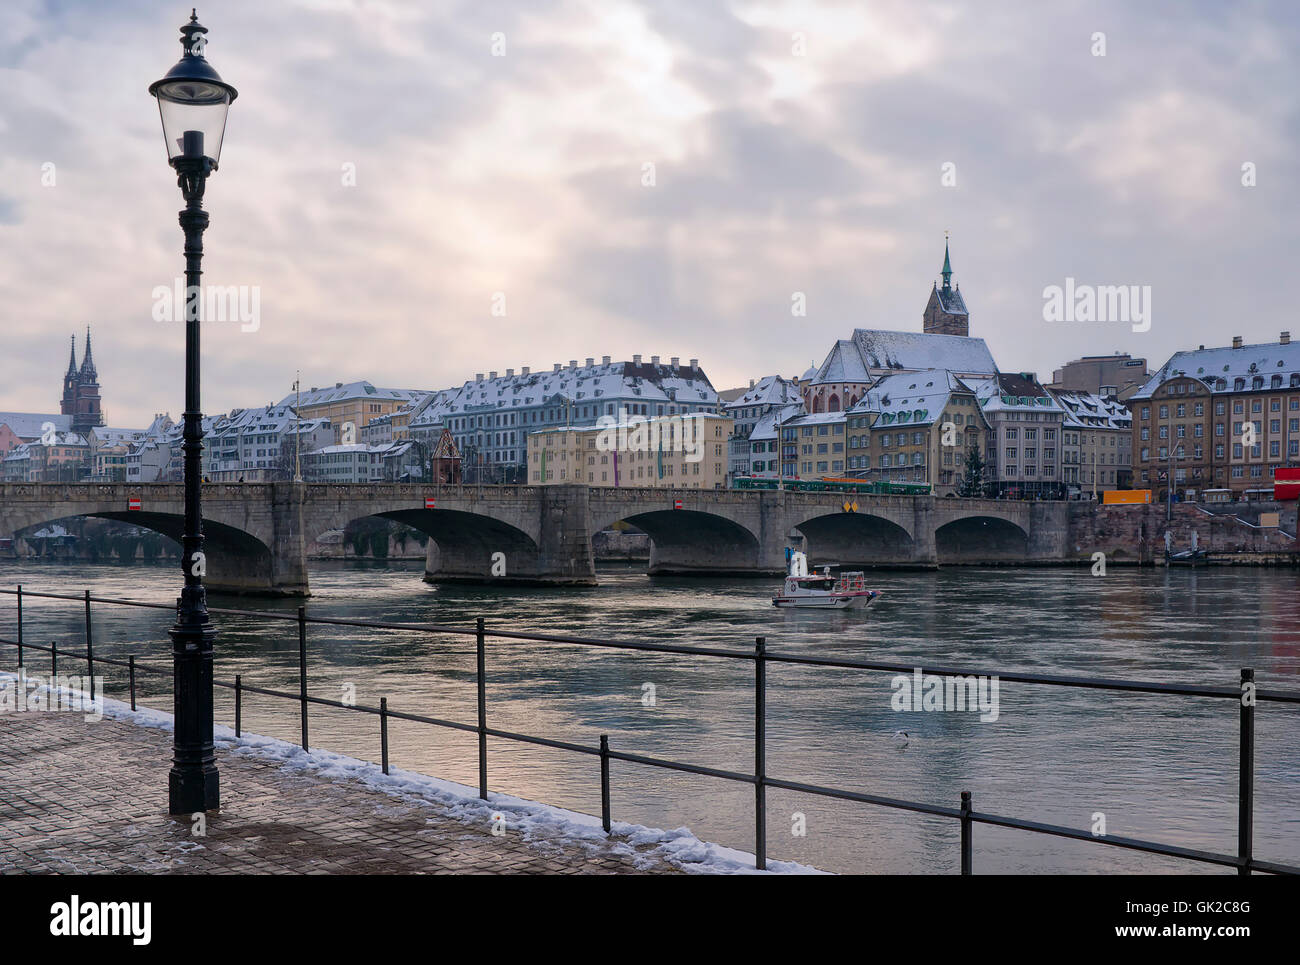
(677, 504)
(133, 503)
(430, 502)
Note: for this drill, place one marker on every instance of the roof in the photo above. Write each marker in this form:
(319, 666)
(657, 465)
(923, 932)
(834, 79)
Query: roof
(769, 390)
(622, 381)
(916, 351)
(351, 390)
(910, 398)
(27, 425)
(1086, 410)
(1008, 391)
(1218, 368)
(765, 427)
(843, 364)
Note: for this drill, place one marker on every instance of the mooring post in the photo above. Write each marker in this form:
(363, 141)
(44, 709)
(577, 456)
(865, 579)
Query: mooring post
(760, 754)
(1246, 774)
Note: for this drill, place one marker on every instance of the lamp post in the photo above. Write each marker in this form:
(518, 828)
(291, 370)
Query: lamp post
(193, 101)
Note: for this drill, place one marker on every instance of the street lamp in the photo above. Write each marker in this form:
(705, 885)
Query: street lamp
(193, 101)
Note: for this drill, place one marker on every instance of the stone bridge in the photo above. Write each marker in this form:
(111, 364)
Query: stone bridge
(257, 533)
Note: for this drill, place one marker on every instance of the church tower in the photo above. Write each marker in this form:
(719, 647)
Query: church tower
(945, 313)
(81, 391)
(69, 404)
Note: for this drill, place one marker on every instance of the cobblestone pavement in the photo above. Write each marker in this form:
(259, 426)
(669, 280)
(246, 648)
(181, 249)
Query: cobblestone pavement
(77, 797)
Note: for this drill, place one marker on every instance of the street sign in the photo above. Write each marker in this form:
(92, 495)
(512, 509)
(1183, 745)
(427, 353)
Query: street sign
(677, 504)
(133, 503)
(430, 502)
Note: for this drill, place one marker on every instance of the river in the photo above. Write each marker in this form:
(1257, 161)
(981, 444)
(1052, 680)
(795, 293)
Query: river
(1156, 767)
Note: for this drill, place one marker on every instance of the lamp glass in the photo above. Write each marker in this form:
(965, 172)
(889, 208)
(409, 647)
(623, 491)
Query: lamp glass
(193, 105)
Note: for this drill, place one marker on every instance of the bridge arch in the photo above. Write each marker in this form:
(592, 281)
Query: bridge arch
(236, 560)
(981, 539)
(463, 545)
(685, 541)
(856, 538)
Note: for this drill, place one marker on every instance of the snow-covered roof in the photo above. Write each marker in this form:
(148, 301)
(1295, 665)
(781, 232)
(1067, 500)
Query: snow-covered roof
(769, 390)
(765, 427)
(351, 390)
(910, 398)
(843, 364)
(1086, 410)
(624, 381)
(1007, 392)
(916, 351)
(1219, 368)
(27, 425)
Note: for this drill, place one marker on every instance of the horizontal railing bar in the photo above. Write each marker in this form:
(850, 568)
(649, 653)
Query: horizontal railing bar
(862, 798)
(1057, 680)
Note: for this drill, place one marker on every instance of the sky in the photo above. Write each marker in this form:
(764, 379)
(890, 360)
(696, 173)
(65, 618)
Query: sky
(395, 172)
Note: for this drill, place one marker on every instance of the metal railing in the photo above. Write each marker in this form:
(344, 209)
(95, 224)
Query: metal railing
(1244, 860)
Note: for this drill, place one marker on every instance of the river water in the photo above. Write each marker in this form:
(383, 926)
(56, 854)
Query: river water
(1156, 767)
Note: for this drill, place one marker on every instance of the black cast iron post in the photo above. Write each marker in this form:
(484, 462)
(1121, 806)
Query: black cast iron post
(193, 101)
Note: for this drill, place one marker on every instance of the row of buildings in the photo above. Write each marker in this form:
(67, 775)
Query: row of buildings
(919, 407)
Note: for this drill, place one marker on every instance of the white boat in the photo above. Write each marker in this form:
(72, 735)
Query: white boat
(822, 590)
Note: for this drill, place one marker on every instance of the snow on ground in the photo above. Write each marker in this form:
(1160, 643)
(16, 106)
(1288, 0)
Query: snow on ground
(533, 820)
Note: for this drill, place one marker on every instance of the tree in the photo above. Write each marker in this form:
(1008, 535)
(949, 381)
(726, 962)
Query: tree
(973, 481)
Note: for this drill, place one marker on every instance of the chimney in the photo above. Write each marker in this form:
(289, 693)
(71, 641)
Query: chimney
(492, 375)
(1200, 348)
(654, 360)
(695, 363)
(604, 360)
(590, 362)
(1236, 341)
(524, 370)
(751, 383)
(675, 361)
(478, 376)
(338, 385)
(1285, 339)
(636, 360)
(510, 373)
(556, 369)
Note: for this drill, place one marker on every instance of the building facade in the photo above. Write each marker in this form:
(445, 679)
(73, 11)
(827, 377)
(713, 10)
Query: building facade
(663, 452)
(1219, 418)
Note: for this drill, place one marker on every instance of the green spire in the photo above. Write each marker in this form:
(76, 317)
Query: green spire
(947, 266)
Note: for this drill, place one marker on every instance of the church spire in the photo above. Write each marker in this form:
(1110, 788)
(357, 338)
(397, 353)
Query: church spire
(947, 265)
(72, 359)
(87, 363)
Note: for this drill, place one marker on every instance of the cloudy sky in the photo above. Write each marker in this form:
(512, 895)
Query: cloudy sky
(797, 147)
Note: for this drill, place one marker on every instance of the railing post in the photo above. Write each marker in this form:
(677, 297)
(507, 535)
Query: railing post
(1246, 774)
(20, 626)
(130, 672)
(604, 782)
(383, 733)
(967, 827)
(239, 703)
(54, 660)
(760, 754)
(90, 650)
(482, 712)
(302, 670)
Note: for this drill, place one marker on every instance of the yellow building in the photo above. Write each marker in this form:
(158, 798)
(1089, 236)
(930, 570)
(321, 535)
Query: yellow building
(352, 404)
(668, 452)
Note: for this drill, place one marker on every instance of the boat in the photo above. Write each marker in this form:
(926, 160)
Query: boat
(823, 590)
(1192, 557)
